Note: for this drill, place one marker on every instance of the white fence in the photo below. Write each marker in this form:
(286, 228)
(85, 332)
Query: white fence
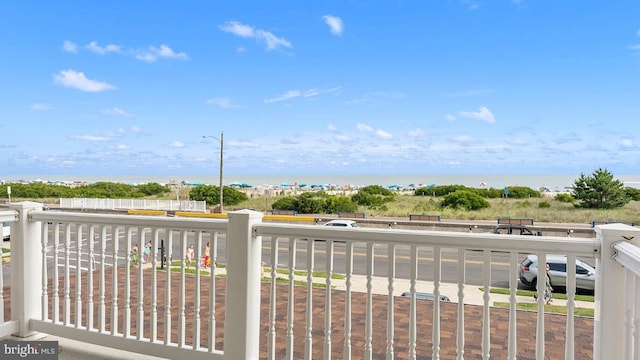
(71, 276)
(141, 204)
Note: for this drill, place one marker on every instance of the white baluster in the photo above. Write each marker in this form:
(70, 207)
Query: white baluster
(153, 331)
(368, 348)
(486, 325)
(196, 315)
(115, 237)
(140, 319)
(272, 299)
(291, 300)
(56, 296)
(127, 283)
(391, 274)
(327, 305)
(437, 277)
(79, 240)
(347, 310)
(571, 305)
(182, 329)
(101, 293)
(45, 284)
(542, 264)
(461, 279)
(167, 288)
(413, 274)
(308, 339)
(212, 293)
(67, 277)
(513, 288)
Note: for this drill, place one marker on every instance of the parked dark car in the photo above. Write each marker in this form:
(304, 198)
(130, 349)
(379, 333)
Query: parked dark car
(515, 229)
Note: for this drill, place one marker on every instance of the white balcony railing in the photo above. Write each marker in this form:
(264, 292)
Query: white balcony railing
(72, 276)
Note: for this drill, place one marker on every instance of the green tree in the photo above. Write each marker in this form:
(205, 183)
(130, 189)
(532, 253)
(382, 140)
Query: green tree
(211, 194)
(599, 191)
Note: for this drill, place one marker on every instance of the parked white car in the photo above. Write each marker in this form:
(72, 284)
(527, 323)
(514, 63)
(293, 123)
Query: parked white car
(6, 230)
(585, 273)
(341, 223)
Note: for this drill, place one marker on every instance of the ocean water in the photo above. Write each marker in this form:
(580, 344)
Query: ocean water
(552, 182)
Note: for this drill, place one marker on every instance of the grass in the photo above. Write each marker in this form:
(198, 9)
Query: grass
(558, 212)
(6, 250)
(319, 274)
(530, 293)
(552, 309)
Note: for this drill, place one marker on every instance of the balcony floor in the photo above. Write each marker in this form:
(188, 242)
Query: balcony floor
(555, 325)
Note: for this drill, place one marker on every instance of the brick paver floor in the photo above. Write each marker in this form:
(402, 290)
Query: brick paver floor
(526, 321)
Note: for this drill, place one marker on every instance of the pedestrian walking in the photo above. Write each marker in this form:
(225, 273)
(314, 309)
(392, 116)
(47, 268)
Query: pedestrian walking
(207, 255)
(190, 252)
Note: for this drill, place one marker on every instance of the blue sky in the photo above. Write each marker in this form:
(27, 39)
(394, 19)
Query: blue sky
(313, 87)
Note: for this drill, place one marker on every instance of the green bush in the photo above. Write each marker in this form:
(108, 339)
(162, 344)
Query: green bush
(632, 193)
(335, 204)
(544, 205)
(523, 192)
(466, 200)
(373, 196)
(567, 198)
(285, 203)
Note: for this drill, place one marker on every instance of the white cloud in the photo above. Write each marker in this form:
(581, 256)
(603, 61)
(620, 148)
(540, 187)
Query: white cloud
(634, 47)
(91, 138)
(383, 134)
(297, 93)
(627, 143)
(364, 127)
(335, 24)
(177, 144)
(69, 47)
(461, 139)
(153, 53)
(342, 138)
(238, 29)
(638, 32)
(450, 117)
(121, 147)
(417, 133)
(40, 107)
(262, 36)
(223, 102)
(116, 112)
(102, 50)
(78, 80)
(286, 96)
(482, 114)
(331, 127)
(272, 41)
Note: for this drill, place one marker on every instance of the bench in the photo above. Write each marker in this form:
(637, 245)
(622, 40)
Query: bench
(353, 215)
(284, 212)
(602, 222)
(424, 217)
(515, 221)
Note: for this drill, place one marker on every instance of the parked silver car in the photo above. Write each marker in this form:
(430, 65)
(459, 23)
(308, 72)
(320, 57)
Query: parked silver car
(585, 273)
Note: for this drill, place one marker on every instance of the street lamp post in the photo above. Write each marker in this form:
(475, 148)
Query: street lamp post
(221, 141)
